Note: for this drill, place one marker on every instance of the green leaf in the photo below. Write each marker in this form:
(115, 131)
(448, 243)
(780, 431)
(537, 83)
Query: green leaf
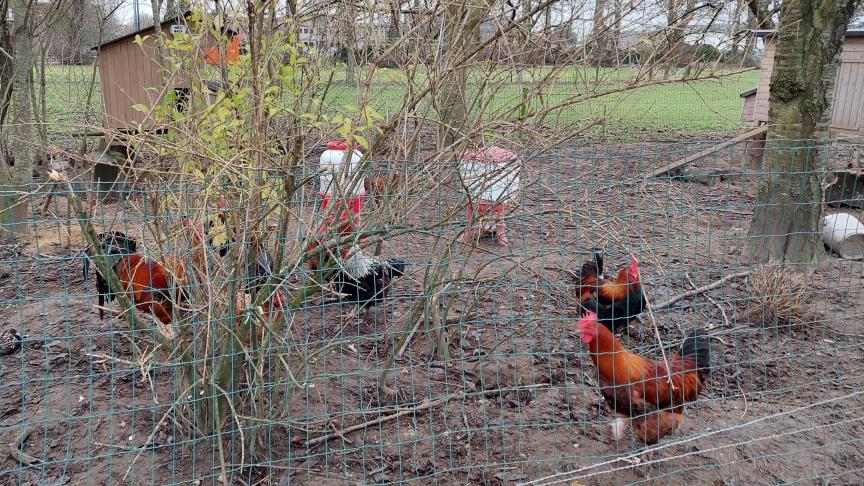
(362, 142)
(141, 108)
(139, 40)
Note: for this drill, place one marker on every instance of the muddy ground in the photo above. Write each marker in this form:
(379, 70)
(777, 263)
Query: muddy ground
(516, 401)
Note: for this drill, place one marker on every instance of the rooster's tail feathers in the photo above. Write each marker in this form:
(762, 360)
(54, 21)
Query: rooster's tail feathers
(697, 346)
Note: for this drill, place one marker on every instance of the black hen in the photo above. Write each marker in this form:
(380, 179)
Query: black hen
(365, 279)
(114, 245)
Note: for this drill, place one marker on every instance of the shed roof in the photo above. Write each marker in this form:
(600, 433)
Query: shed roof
(849, 33)
(749, 92)
(152, 28)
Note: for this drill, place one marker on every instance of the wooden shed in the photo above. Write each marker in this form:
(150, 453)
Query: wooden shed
(130, 73)
(847, 112)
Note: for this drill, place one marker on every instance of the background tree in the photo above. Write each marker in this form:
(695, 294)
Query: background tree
(16, 172)
(785, 225)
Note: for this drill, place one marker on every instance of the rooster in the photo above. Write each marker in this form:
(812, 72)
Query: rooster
(615, 302)
(639, 389)
(148, 282)
(114, 246)
(364, 280)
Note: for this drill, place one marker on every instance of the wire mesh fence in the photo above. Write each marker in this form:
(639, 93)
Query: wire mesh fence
(471, 369)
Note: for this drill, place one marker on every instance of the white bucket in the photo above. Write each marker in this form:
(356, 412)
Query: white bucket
(844, 234)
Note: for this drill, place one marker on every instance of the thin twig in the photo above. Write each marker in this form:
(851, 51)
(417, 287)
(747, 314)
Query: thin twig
(153, 434)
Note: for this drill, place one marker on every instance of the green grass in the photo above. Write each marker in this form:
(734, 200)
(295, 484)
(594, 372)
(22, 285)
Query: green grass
(697, 107)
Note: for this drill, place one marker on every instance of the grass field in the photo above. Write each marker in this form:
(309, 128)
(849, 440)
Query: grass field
(697, 107)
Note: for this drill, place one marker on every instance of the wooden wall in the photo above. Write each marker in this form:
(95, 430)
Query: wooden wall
(749, 105)
(760, 111)
(847, 111)
(848, 103)
(130, 75)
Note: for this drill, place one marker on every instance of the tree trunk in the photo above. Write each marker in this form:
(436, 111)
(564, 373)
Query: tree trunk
(760, 13)
(598, 32)
(736, 27)
(785, 225)
(350, 57)
(460, 29)
(19, 176)
(5, 65)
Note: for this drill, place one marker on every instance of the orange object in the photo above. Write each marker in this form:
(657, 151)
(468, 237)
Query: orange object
(345, 226)
(232, 52)
(149, 285)
(636, 387)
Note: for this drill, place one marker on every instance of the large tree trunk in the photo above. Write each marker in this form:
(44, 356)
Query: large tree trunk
(5, 64)
(461, 22)
(598, 32)
(18, 177)
(785, 224)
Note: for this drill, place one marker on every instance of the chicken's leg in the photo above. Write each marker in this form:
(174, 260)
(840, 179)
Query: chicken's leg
(619, 427)
(472, 231)
(502, 237)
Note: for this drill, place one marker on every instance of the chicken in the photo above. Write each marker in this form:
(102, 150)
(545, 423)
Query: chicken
(638, 389)
(150, 285)
(215, 228)
(590, 274)
(114, 245)
(590, 280)
(615, 315)
(272, 310)
(616, 303)
(365, 280)
(148, 282)
(256, 276)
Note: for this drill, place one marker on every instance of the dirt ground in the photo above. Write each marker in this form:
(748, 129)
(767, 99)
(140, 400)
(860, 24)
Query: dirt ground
(516, 402)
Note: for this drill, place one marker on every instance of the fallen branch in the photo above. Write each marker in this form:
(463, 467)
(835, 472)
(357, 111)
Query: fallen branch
(17, 453)
(691, 293)
(426, 404)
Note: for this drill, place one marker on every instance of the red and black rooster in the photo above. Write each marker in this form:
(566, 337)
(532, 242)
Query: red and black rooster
(616, 303)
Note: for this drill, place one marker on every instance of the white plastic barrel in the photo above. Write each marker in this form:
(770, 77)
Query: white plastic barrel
(844, 234)
(331, 168)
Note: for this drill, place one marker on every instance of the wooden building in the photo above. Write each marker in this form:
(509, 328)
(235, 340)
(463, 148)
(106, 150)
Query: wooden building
(847, 111)
(130, 73)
